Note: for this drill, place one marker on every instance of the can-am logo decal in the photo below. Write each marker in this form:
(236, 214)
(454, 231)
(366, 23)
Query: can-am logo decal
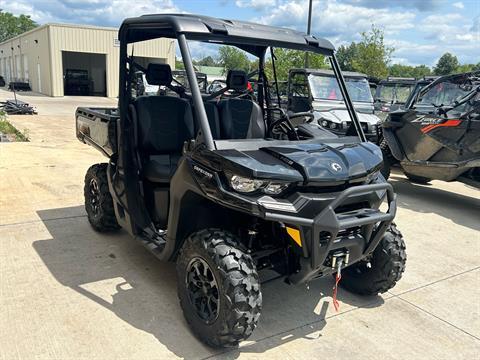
(423, 120)
(336, 167)
(202, 171)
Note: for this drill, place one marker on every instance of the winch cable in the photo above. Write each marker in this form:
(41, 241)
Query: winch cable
(338, 277)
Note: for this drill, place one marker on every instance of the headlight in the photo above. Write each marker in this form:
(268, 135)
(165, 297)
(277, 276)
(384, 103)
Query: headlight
(275, 188)
(324, 123)
(247, 185)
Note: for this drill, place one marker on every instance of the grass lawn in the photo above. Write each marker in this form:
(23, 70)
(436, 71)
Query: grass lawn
(12, 133)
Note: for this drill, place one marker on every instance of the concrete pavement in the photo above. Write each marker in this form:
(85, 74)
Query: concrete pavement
(67, 292)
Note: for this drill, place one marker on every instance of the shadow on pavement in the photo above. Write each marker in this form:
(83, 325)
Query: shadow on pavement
(116, 272)
(461, 209)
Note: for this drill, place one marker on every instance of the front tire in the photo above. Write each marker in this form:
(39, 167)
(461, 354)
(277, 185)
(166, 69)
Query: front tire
(218, 288)
(388, 159)
(387, 266)
(98, 201)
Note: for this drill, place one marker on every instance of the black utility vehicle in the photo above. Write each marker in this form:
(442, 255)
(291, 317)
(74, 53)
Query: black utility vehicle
(391, 94)
(419, 85)
(180, 77)
(437, 136)
(224, 188)
(77, 82)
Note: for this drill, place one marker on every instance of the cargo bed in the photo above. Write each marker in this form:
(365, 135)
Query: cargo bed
(98, 127)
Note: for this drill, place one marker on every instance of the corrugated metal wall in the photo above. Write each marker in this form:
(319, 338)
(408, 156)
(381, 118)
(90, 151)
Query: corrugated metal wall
(32, 48)
(100, 41)
(41, 51)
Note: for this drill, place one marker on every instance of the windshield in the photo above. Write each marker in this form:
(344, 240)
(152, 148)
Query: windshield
(77, 74)
(402, 92)
(386, 93)
(444, 93)
(183, 80)
(253, 79)
(326, 88)
(398, 93)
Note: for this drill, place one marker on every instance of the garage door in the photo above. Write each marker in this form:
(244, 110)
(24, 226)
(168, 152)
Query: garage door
(84, 73)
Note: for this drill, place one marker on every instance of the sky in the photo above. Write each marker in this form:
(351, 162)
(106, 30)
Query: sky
(419, 30)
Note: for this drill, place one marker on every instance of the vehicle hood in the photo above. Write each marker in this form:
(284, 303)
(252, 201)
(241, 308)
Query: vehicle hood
(328, 105)
(307, 162)
(340, 116)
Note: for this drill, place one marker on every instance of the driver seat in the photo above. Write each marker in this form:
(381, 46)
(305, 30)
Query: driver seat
(163, 124)
(240, 118)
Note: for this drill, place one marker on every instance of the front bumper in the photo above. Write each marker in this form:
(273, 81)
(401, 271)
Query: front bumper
(357, 232)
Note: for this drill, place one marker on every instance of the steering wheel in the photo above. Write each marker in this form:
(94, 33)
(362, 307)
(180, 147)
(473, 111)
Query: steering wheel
(284, 126)
(306, 114)
(236, 94)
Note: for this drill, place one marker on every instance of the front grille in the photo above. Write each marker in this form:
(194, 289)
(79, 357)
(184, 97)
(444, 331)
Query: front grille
(322, 188)
(325, 236)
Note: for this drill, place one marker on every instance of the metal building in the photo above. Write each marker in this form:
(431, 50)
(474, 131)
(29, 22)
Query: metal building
(44, 55)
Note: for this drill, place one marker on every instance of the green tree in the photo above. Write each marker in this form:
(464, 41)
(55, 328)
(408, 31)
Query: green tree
(400, 70)
(409, 71)
(11, 25)
(207, 61)
(286, 59)
(372, 55)
(467, 68)
(421, 71)
(179, 64)
(447, 64)
(231, 58)
(345, 56)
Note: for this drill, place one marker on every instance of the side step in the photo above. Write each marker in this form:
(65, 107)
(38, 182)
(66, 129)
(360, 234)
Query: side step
(153, 241)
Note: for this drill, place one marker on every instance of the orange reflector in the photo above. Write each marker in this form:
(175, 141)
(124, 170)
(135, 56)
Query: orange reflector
(295, 235)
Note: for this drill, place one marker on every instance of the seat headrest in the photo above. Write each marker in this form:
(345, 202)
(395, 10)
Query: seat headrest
(159, 74)
(237, 80)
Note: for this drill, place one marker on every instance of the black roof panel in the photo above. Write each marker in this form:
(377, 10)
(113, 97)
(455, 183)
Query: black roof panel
(249, 36)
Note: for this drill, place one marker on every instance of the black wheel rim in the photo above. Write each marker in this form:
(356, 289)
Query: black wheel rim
(202, 290)
(94, 196)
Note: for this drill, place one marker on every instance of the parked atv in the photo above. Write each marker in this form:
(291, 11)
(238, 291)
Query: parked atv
(317, 90)
(392, 94)
(225, 189)
(180, 77)
(77, 82)
(438, 135)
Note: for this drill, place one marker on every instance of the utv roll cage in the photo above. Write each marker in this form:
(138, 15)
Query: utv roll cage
(201, 77)
(252, 38)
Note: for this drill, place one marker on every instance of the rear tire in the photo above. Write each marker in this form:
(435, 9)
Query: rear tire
(98, 201)
(229, 314)
(417, 179)
(387, 266)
